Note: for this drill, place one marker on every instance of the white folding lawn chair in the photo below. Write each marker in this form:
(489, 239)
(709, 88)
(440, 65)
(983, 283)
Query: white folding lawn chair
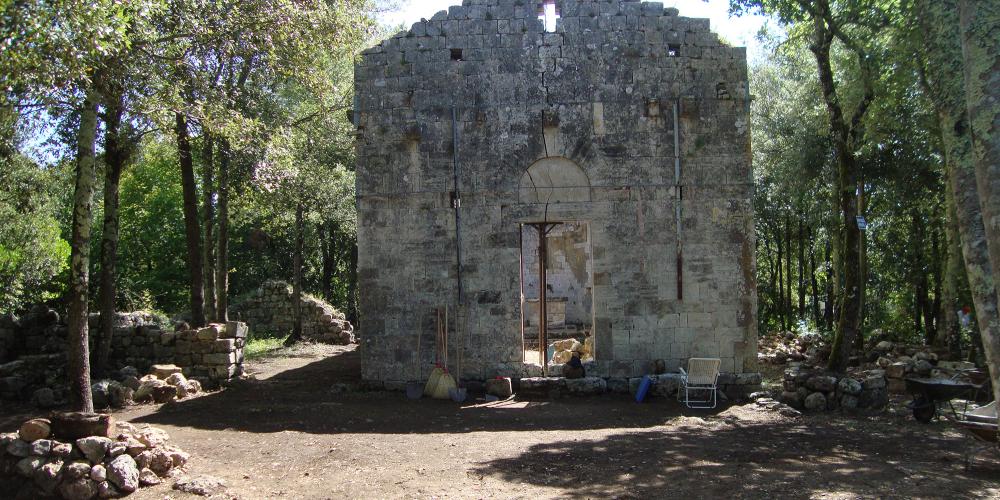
(702, 377)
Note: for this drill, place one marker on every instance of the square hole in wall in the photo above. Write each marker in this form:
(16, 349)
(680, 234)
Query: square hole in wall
(673, 50)
(456, 54)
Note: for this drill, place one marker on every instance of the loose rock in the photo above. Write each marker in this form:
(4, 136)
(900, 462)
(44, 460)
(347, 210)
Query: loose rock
(94, 448)
(123, 473)
(78, 489)
(34, 429)
(203, 485)
(815, 401)
(148, 478)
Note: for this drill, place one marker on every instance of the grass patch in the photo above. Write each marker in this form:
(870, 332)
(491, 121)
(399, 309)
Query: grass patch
(260, 347)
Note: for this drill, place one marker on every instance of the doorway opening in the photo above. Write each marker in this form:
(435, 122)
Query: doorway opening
(568, 304)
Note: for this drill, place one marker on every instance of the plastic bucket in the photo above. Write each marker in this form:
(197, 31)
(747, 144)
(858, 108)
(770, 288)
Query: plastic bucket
(414, 390)
(458, 394)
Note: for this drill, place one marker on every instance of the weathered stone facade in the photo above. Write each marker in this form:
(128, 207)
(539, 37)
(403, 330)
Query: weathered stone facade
(627, 117)
(270, 309)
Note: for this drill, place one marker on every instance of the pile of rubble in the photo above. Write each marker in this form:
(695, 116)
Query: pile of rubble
(818, 390)
(563, 350)
(784, 347)
(900, 362)
(84, 456)
(271, 309)
(163, 384)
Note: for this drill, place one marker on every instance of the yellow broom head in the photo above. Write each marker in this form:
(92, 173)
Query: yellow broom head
(432, 381)
(444, 383)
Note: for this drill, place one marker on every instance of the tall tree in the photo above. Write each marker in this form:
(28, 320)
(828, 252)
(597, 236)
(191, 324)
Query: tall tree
(980, 34)
(117, 149)
(191, 226)
(78, 317)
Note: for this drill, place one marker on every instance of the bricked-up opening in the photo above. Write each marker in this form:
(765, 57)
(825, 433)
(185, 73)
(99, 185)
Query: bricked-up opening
(548, 15)
(456, 54)
(569, 297)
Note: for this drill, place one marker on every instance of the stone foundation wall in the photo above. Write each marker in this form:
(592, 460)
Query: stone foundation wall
(270, 309)
(818, 390)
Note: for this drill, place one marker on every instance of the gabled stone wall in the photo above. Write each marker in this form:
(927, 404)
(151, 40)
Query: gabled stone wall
(479, 108)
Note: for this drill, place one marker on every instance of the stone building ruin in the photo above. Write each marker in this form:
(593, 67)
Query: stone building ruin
(621, 129)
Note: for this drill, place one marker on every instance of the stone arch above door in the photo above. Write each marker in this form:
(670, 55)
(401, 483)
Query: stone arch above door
(554, 180)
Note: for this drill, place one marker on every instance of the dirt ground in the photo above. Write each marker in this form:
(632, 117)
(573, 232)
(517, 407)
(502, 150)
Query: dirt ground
(294, 432)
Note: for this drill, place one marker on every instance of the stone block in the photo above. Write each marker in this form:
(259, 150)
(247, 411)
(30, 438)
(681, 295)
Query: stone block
(209, 333)
(224, 345)
(220, 358)
(586, 386)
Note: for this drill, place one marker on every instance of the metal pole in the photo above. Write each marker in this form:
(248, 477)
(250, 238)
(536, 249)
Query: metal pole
(542, 313)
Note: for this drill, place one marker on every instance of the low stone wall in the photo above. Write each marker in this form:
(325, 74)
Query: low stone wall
(818, 390)
(35, 365)
(270, 309)
(732, 386)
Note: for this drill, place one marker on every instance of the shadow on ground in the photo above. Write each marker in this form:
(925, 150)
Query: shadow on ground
(727, 460)
(311, 399)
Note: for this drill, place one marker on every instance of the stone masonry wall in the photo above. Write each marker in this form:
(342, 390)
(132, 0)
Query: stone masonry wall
(576, 125)
(269, 309)
(37, 357)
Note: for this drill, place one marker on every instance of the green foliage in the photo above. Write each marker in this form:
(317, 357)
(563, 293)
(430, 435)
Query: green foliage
(152, 268)
(263, 344)
(33, 254)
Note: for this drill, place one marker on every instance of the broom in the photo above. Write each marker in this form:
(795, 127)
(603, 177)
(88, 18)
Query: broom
(432, 381)
(445, 382)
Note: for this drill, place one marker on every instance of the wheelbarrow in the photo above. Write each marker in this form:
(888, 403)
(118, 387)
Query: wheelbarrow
(981, 424)
(928, 393)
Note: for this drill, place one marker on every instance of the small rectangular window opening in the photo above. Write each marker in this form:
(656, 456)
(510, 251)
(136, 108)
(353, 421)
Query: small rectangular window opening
(456, 54)
(549, 14)
(673, 50)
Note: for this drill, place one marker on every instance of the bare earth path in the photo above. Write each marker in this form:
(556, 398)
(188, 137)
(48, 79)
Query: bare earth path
(293, 433)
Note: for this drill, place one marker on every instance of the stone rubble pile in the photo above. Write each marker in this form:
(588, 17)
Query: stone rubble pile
(900, 362)
(163, 384)
(47, 459)
(818, 390)
(784, 347)
(563, 350)
(270, 309)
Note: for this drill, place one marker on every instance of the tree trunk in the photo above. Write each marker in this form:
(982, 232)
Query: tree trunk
(845, 138)
(863, 252)
(297, 278)
(116, 153)
(949, 327)
(77, 320)
(208, 214)
(802, 273)
(979, 22)
(813, 281)
(933, 313)
(919, 267)
(789, 310)
(192, 231)
(326, 245)
(831, 297)
(781, 281)
(222, 268)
